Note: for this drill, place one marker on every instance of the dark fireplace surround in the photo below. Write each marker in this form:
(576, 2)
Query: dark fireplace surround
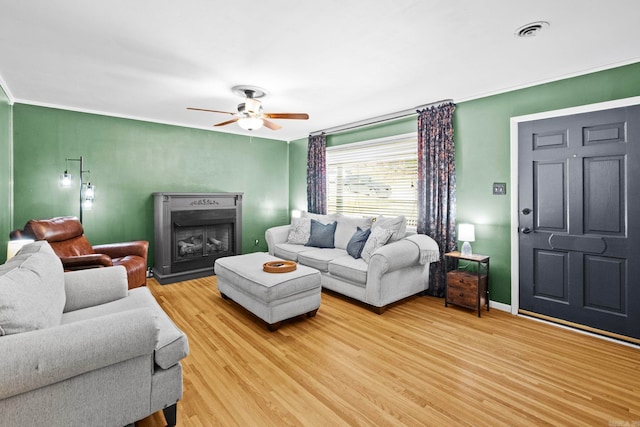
(192, 230)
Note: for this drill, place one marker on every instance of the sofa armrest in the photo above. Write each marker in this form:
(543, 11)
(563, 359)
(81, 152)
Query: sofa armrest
(86, 288)
(35, 359)
(120, 250)
(394, 256)
(275, 235)
(79, 262)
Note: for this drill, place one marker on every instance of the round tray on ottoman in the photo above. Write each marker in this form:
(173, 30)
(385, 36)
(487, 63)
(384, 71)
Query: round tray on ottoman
(280, 266)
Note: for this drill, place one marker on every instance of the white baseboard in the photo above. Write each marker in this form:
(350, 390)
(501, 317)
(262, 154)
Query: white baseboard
(499, 306)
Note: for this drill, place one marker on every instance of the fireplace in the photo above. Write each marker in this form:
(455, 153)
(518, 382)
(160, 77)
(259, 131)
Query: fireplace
(192, 230)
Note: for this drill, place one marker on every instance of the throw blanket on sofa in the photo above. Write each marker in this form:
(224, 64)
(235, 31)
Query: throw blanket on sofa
(427, 254)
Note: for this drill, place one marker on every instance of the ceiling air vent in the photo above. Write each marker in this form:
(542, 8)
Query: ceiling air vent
(532, 29)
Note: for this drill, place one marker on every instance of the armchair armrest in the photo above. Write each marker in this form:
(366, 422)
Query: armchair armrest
(120, 250)
(79, 262)
(35, 359)
(275, 235)
(86, 288)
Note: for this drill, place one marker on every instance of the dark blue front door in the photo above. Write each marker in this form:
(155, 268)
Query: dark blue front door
(579, 217)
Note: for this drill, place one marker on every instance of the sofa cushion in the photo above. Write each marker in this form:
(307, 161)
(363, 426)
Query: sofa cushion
(320, 258)
(322, 235)
(289, 251)
(350, 269)
(32, 292)
(347, 225)
(299, 231)
(357, 242)
(377, 239)
(397, 225)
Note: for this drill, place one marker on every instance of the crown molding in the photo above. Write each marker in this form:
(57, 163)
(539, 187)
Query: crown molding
(5, 88)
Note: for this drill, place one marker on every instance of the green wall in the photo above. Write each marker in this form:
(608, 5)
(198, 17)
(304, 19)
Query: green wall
(5, 172)
(482, 138)
(129, 160)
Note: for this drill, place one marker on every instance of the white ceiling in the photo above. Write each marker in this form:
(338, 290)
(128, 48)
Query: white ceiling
(341, 61)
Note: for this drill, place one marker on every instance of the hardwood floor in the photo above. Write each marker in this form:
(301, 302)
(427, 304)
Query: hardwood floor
(417, 364)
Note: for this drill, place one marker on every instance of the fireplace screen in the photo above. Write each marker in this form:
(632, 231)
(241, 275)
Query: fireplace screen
(201, 236)
(201, 241)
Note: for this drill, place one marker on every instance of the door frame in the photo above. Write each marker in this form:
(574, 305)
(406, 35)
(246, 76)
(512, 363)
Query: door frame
(515, 121)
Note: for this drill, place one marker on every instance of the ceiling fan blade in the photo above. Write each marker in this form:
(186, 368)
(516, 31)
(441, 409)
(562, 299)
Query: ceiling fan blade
(271, 125)
(209, 111)
(297, 116)
(228, 122)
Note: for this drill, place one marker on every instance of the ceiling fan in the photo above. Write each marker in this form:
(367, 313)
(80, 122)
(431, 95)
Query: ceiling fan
(250, 115)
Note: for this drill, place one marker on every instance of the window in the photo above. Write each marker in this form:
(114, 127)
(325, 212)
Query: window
(377, 177)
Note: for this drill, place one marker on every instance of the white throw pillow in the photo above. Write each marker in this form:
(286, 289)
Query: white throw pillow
(397, 225)
(377, 239)
(299, 231)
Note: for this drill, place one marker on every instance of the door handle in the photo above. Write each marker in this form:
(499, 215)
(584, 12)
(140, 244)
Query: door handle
(526, 230)
(526, 211)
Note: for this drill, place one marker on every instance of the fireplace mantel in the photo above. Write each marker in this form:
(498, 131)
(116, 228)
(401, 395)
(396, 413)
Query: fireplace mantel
(192, 230)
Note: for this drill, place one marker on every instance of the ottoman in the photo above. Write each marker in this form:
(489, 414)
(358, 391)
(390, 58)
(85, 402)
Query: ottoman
(273, 297)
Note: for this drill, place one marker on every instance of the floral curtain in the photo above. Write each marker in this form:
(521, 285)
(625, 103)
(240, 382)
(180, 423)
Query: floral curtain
(317, 174)
(437, 186)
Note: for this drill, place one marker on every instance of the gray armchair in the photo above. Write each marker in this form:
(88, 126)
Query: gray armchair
(80, 349)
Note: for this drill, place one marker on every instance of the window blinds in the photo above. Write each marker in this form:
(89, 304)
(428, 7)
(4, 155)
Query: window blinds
(377, 177)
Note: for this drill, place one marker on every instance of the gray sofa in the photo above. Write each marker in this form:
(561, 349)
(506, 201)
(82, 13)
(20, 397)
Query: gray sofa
(80, 349)
(396, 270)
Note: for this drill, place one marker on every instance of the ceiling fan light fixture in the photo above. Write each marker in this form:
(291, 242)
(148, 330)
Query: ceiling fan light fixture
(252, 105)
(250, 123)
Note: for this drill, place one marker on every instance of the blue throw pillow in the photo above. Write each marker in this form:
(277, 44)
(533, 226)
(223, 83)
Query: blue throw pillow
(357, 242)
(322, 234)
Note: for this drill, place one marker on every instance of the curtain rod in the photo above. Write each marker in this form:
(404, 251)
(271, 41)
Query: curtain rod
(378, 119)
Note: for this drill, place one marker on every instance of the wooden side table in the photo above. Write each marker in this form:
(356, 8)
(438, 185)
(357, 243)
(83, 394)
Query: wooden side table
(468, 289)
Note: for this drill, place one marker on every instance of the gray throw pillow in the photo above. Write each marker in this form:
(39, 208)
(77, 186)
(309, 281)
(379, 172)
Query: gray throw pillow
(397, 225)
(377, 239)
(32, 290)
(357, 242)
(322, 235)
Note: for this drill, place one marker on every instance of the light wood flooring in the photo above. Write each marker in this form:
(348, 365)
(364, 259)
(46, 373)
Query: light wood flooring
(417, 364)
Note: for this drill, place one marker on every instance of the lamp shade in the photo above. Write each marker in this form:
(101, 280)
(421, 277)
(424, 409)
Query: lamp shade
(250, 123)
(13, 246)
(466, 233)
(66, 179)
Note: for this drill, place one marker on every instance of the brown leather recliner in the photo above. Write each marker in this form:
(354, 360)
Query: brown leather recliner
(66, 237)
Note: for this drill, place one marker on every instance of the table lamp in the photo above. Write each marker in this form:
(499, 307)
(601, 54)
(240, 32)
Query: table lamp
(466, 234)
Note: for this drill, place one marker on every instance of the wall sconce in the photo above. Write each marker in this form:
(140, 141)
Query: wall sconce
(87, 192)
(466, 234)
(13, 246)
(89, 196)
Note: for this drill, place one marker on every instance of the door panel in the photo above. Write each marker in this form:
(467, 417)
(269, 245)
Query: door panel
(549, 195)
(579, 210)
(604, 199)
(551, 275)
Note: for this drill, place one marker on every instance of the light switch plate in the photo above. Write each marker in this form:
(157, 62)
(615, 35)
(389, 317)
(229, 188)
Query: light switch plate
(500, 188)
